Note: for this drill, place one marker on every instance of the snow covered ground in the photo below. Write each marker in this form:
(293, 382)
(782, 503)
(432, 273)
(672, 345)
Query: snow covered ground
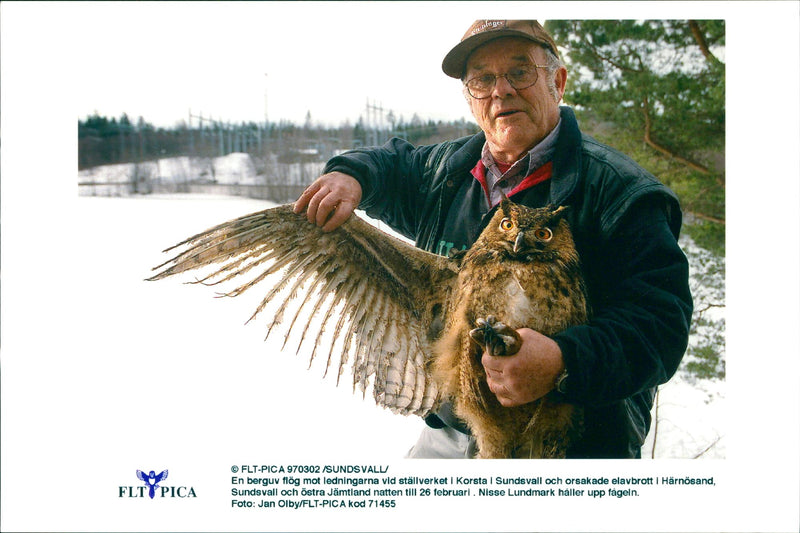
(235, 168)
(231, 169)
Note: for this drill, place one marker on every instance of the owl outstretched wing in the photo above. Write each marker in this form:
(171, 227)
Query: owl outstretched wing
(383, 297)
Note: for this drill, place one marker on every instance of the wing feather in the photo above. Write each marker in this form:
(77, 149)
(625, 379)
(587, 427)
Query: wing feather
(376, 292)
(333, 280)
(375, 322)
(355, 303)
(332, 304)
(314, 290)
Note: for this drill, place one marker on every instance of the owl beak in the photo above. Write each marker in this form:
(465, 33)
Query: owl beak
(519, 243)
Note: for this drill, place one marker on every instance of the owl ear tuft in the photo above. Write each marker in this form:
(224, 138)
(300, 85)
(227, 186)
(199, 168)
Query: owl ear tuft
(505, 203)
(557, 213)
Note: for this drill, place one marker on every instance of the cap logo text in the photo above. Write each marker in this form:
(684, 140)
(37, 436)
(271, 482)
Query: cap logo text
(489, 25)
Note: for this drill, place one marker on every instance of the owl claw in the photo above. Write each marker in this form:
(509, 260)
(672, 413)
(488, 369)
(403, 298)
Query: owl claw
(495, 337)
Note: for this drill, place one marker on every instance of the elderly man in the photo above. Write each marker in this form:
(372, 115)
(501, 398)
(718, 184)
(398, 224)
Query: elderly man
(625, 225)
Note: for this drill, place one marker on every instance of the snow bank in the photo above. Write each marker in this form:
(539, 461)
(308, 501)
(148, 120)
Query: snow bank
(183, 169)
(231, 169)
(235, 169)
(120, 173)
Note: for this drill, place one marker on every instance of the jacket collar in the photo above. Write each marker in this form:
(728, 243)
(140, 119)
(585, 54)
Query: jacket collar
(464, 159)
(567, 158)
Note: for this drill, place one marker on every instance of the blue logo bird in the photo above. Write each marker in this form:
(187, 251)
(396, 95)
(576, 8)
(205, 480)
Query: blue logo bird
(152, 480)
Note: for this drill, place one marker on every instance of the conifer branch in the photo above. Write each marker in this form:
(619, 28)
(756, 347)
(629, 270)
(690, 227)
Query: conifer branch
(648, 139)
(700, 39)
(708, 217)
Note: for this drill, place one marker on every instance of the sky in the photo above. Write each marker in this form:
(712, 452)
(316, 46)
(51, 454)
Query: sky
(228, 61)
(242, 61)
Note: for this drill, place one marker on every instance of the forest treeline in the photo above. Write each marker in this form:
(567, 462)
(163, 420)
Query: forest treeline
(109, 140)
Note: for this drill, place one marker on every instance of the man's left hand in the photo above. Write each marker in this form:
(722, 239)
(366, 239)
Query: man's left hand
(527, 375)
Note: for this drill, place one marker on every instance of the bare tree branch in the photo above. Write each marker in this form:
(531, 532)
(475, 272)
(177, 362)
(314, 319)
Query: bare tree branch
(608, 59)
(655, 426)
(697, 33)
(707, 307)
(648, 125)
(707, 448)
(708, 217)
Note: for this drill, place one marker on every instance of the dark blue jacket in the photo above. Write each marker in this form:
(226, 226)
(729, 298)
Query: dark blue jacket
(625, 224)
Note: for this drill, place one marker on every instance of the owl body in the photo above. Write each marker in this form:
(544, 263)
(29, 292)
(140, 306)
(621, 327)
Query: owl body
(407, 322)
(533, 281)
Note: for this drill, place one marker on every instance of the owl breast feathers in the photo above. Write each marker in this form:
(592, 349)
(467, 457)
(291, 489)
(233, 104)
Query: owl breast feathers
(411, 324)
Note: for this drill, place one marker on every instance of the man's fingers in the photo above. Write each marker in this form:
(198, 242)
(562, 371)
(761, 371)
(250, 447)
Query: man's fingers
(502, 393)
(499, 384)
(325, 208)
(340, 213)
(494, 377)
(305, 197)
(493, 363)
(330, 200)
(314, 204)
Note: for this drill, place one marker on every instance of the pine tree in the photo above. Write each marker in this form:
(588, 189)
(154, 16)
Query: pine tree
(655, 89)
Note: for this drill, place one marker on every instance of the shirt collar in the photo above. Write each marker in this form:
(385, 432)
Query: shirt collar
(494, 180)
(533, 159)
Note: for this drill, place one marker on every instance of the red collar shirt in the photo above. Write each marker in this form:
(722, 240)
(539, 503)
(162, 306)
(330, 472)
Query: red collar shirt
(520, 175)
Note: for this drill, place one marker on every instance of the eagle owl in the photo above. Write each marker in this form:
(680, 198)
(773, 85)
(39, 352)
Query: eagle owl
(411, 323)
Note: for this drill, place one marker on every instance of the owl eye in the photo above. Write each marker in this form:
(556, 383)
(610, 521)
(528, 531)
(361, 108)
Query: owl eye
(543, 234)
(506, 224)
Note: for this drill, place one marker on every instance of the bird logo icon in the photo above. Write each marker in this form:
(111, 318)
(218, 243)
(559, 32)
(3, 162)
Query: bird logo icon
(152, 480)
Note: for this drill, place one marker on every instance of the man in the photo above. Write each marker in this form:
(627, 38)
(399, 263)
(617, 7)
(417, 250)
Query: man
(625, 225)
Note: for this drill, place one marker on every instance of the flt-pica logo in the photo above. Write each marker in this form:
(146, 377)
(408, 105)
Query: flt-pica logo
(151, 480)
(153, 487)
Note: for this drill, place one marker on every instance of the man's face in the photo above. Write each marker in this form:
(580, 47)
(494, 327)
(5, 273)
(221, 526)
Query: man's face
(514, 120)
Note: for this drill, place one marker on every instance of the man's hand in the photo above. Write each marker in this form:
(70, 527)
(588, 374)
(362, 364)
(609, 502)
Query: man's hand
(527, 375)
(330, 200)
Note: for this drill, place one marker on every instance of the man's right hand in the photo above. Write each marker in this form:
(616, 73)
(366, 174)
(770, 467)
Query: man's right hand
(330, 200)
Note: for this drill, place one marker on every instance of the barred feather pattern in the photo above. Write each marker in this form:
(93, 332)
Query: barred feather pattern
(377, 295)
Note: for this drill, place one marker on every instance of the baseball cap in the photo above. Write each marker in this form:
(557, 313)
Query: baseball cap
(483, 31)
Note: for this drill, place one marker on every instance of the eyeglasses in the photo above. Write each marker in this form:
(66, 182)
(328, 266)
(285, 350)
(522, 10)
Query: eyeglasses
(519, 78)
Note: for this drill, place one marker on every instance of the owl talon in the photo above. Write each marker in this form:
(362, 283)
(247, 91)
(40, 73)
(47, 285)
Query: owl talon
(495, 337)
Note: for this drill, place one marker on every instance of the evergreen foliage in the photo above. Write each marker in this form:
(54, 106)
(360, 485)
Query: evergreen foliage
(655, 90)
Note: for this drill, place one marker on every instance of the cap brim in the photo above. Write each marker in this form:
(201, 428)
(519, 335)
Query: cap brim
(455, 61)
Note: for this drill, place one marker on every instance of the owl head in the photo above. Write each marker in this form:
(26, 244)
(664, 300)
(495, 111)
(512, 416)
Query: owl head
(526, 233)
